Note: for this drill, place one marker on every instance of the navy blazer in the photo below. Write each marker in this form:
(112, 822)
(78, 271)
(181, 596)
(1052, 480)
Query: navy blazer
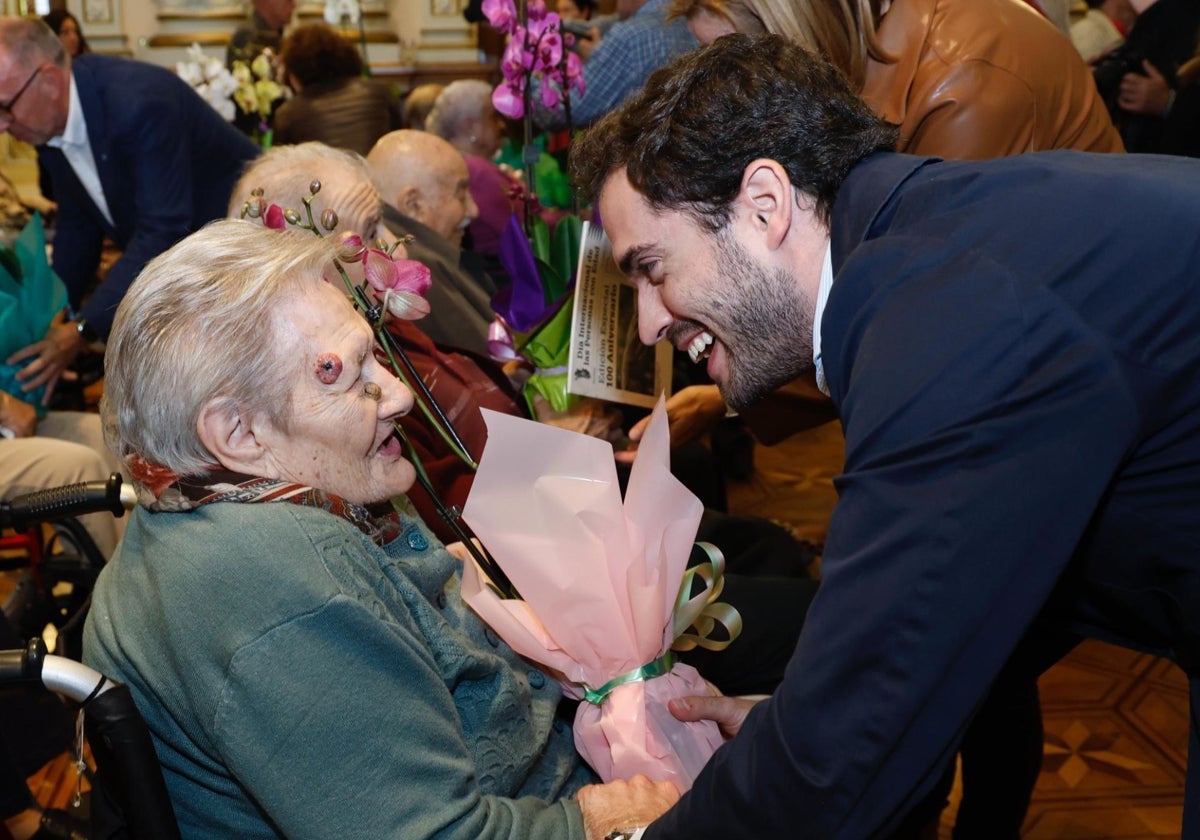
(1013, 348)
(167, 163)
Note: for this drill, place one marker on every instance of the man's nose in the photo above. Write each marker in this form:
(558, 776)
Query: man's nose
(653, 317)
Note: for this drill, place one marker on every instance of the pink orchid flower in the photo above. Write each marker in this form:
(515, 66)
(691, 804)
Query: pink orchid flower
(502, 14)
(550, 96)
(509, 101)
(400, 284)
(273, 218)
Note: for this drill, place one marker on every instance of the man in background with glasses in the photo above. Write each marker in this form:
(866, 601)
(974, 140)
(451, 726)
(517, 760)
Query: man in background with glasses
(134, 154)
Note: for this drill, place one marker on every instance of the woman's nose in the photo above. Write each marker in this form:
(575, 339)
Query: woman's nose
(396, 400)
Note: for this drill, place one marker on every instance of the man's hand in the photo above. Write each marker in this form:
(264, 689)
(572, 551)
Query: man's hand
(727, 712)
(1148, 94)
(50, 357)
(18, 416)
(624, 804)
(691, 412)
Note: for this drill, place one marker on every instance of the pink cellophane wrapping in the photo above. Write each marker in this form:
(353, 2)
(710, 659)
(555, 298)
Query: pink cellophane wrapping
(598, 578)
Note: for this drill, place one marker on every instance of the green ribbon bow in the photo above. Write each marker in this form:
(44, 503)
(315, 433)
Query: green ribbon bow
(696, 617)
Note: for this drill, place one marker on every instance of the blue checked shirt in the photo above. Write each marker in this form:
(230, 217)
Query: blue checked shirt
(622, 61)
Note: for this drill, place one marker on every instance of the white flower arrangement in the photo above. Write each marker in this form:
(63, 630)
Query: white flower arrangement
(209, 78)
(249, 87)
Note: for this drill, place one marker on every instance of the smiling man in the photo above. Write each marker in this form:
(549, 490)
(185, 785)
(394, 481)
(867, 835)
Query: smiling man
(1015, 378)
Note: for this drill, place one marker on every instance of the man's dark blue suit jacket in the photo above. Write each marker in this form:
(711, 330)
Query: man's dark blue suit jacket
(1014, 350)
(167, 163)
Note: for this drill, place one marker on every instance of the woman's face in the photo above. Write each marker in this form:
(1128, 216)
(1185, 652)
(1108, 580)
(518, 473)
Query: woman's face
(567, 10)
(489, 135)
(68, 34)
(708, 26)
(341, 438)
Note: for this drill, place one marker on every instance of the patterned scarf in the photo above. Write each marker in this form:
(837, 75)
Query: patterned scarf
(381, 522)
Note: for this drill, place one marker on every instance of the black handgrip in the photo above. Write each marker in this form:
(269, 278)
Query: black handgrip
(23, 666)
(63, 502)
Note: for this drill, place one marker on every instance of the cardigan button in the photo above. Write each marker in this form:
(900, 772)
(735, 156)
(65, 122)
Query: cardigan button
(537, 679)
(491, 637)
(417, 541)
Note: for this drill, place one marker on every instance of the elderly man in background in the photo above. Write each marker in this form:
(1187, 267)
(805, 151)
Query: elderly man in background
(426, 192)
(1022, 422)
(134, 154)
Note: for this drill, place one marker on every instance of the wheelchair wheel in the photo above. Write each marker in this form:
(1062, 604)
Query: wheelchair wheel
(70, 563)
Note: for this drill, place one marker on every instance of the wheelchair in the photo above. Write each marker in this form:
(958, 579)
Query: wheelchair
(129, 798)
(57, 558)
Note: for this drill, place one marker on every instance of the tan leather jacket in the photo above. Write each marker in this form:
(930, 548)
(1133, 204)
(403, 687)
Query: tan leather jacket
(984, 78)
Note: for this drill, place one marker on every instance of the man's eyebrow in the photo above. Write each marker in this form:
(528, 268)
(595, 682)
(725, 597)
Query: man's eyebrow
(625, 263)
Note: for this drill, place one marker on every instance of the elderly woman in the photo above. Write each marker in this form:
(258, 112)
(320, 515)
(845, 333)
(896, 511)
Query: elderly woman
(464, 116)
(294, 637)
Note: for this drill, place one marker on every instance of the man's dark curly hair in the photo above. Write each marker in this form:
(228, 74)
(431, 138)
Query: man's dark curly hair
(686, 138)
(316, 53)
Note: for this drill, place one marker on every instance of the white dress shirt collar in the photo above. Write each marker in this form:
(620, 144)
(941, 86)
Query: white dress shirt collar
(822, 298)
(77, 149)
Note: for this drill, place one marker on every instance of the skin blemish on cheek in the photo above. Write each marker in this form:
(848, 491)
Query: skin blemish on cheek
(328, 368)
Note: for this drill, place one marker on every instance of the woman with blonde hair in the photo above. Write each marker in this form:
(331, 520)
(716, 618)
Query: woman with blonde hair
(966, 79)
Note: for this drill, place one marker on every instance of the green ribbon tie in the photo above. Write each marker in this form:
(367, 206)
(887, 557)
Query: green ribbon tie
(657, 668)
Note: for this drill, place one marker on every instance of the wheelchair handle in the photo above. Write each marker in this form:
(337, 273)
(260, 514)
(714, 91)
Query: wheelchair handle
(32, 665)
(63, 502)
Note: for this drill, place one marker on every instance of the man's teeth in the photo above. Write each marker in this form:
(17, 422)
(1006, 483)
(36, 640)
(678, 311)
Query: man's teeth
(700, 346)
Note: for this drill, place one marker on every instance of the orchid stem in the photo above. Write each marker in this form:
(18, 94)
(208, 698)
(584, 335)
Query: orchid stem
(441, 421)
(454, 521)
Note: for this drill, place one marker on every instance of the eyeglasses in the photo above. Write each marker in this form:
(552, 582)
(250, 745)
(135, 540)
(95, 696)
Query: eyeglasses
(6, 113)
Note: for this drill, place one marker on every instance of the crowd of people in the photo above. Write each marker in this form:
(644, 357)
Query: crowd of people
(911, 216)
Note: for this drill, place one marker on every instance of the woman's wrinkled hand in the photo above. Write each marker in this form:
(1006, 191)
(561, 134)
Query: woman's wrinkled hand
(624, 804)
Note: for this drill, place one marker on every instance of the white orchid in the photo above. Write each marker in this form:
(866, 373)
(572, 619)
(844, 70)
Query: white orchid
(248, 87)
(210, 79)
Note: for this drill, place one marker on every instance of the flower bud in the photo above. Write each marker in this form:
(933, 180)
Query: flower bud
(293, 217)
(329, 218)
(255, 207)
(314, 187)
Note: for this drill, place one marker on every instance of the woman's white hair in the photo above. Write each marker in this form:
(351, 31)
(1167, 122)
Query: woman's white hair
(199, 325)
(284, 173)
(460, 102)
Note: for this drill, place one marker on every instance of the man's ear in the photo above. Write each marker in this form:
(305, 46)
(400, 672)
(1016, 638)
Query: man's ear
(410, 203)
(766, 196)
(233, 438)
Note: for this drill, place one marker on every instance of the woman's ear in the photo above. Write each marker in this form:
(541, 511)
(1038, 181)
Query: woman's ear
(766, 195)
(231, 437)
